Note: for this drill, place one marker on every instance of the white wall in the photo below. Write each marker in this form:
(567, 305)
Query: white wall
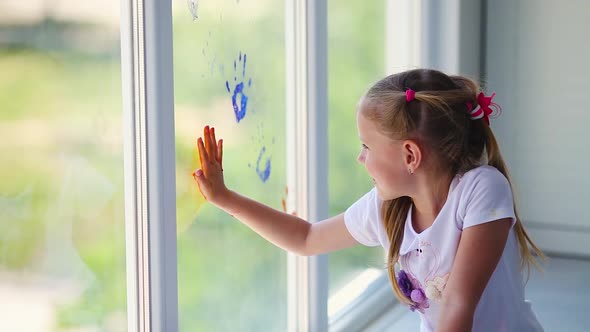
(538, 61)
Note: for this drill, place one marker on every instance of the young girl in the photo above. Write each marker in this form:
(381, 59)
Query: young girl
(442, 205)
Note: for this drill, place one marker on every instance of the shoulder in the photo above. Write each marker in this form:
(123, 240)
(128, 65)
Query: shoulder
(486, 195)
(484, 178)
(484, 172)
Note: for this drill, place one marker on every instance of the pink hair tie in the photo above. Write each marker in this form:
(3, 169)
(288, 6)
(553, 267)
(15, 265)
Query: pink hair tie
(483, 108)
(410, 95)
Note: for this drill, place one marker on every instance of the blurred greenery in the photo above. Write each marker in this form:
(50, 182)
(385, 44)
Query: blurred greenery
(356, 59)
(63, 105)
(57, 105)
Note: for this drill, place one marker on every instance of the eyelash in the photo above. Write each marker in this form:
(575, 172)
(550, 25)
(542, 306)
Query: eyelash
(365, 147)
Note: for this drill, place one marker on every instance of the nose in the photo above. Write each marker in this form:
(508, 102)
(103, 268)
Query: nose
(361, 157)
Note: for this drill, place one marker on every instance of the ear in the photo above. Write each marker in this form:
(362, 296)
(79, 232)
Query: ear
(412, 154)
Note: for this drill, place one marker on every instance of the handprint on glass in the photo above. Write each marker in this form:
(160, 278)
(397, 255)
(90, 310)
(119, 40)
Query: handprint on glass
(239, 99)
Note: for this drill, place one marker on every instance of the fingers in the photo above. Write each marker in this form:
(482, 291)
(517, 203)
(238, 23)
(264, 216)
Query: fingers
(213, 144)
(203, 156)
(210, 150)
(206, 140)
(197, 174)
(220, 153)
(209, 138)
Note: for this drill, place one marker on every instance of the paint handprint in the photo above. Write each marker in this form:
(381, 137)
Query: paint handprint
(263, 171)
(239, 99)
(264, 155)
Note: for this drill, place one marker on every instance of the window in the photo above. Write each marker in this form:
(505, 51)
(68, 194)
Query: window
(62, 230)
(229, 72)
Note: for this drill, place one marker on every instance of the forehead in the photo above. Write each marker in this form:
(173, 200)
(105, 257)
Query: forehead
(368, 129)
(364, 109)
(364, 124)
(364, 104)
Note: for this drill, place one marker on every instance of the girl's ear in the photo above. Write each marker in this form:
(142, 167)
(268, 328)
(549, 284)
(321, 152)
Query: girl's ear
(412, 155)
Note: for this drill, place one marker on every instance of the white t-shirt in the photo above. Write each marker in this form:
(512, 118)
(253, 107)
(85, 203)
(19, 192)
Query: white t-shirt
(480, 195)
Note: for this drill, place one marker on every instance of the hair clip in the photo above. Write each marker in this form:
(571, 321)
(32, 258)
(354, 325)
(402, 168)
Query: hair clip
(483, 108)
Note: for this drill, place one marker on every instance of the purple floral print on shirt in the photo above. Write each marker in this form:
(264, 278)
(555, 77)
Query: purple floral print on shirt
(412, 288)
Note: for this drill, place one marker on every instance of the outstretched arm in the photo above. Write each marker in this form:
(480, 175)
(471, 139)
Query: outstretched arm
(286, 231)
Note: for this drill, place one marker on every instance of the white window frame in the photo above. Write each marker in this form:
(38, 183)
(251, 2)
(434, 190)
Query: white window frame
(149, 159)
(307, 151)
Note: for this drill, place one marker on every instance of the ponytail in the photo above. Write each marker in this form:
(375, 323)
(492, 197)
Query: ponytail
(528, 249)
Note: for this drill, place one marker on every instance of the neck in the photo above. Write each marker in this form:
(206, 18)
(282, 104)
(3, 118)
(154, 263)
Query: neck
(429, 199)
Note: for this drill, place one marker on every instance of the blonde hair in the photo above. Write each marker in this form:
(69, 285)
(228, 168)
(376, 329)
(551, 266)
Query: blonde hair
(439, 120)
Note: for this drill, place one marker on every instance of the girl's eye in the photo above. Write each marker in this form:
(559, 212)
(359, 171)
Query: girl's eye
(365, 147)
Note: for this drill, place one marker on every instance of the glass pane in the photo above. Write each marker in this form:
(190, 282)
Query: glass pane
(229, 72)
(356, 48)
(62, 230)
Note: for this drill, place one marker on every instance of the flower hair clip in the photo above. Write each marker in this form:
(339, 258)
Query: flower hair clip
(485, 107)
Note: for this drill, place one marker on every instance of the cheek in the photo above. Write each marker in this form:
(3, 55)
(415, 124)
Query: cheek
(372, 167)
(387, 171)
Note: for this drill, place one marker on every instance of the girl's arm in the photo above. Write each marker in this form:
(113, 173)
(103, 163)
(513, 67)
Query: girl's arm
(286, 231)
(479, 251)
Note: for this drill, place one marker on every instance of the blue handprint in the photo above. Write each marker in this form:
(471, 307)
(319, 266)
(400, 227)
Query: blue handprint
(264, 160)
(263, 173)
(239, 99)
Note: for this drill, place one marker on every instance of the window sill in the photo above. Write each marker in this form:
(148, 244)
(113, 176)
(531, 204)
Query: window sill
(361, 302)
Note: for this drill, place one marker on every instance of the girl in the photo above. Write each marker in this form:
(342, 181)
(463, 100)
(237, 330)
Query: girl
(442, 205)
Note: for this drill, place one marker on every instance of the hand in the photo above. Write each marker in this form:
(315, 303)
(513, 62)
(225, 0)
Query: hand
(210, 176)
